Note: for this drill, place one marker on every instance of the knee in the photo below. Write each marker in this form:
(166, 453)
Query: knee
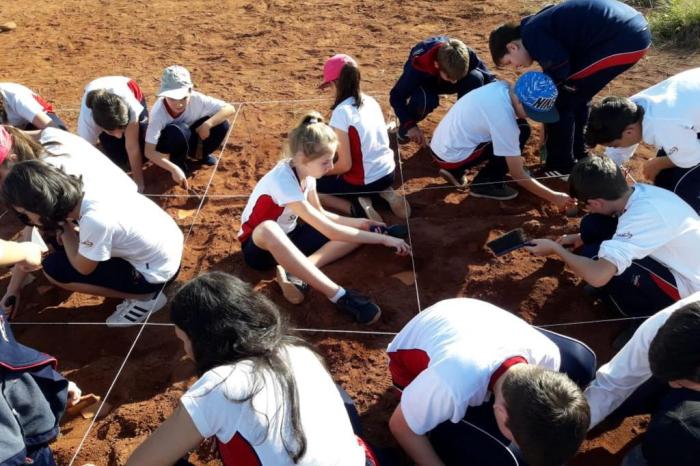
(172, 137)
(54, 268)
(267, 234)
(423, 101)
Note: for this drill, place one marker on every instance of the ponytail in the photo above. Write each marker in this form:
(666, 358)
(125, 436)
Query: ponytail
(348, 85)
(312, 137)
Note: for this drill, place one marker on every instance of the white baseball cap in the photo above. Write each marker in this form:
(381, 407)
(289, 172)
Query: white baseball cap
(175, 82)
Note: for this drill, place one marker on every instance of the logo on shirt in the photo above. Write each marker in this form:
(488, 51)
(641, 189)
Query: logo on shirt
(625, 235)
(672, 150)
(87, 243)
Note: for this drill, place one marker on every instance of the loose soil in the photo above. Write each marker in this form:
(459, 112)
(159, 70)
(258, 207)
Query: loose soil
(268, 55)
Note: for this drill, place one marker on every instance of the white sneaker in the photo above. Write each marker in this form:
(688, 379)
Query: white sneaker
(132, 311)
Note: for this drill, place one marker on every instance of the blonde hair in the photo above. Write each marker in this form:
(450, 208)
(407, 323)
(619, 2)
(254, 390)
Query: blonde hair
(26, 148)
(312, 137)
(453, 59)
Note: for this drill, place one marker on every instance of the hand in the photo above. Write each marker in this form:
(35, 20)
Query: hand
(140, 184)
(415, 134)
(74, 393)
(573, 241)
(179, 177)
(11, 303)
(563, 201)
(402, 248)
(367, 224)
(203, 130)
(651, 170)
(32, 257)
(542, 247)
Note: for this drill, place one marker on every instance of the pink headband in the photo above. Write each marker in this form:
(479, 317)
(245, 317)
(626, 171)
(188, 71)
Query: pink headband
(5, 144)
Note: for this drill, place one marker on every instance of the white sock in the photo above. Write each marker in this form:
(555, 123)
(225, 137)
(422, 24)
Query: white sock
(339, 294)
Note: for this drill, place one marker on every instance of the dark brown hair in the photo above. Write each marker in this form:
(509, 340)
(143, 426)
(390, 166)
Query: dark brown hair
(674, 352)
(597, 178)
(500, 38)
(609, 118)
(348, 85)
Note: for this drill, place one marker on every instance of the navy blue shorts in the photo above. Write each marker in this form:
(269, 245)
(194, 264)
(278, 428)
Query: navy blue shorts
(336, 184)
(304, 236)
(116, 274)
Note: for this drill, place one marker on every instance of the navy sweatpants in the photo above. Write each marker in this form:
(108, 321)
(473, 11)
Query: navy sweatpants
(564, 139)
(180, 141)
(644, 288)
(683, 181)
(425, 99)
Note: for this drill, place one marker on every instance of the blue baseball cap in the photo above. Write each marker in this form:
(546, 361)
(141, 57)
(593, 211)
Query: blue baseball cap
(538, 93)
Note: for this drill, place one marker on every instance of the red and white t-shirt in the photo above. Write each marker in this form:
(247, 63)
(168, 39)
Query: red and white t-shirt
(446, 356)
(279, 187)
(22, 105)
(372, 158)
(251, 433)
(124, 87)
(199, 106)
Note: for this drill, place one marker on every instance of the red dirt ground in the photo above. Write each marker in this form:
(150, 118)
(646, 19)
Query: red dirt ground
(262, 52)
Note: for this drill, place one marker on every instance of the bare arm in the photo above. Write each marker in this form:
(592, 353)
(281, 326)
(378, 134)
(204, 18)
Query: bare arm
(417, 446)
(163, 161)
(42, 120)
(596, 272)
(70, 240)
(170, 442)
(133, 149)
(654, 166)
(517, 171)
(216, 119)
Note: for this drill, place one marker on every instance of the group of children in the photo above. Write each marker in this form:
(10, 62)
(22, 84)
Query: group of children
(478, 385)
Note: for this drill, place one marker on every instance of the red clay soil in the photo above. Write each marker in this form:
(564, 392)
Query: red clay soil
(262, 52)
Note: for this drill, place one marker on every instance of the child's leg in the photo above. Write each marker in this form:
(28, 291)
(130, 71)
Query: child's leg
(331, 252)
(270, 237)
(421, 103)
(175, 141)
(216, 136)
(114, 149)
(114, 278)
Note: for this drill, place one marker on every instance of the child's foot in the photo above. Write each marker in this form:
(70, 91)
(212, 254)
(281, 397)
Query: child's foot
(359, 307)
(133, 311)
(397, 203)
(498, 191)
(450, 178)
(293, 288)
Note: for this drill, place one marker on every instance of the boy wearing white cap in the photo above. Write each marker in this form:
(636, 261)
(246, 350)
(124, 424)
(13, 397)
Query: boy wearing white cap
(489, 125)
(181, 119)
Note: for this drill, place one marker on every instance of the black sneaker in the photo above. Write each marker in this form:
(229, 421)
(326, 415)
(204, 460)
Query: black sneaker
(293, 288)
(360, 307)
(498, 191)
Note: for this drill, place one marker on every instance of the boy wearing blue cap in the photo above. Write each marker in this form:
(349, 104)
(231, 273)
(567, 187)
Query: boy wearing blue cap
(489, 125)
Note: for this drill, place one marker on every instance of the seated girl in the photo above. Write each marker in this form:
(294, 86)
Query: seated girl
(22, 108)
(365, 165)
(263, 394)
(113, 112)
(270, 233)
(184, 123)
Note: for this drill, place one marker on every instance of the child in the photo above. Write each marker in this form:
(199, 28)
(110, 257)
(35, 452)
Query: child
(113, 112)
(582, 45)
(639, 243)
(270, 233)
(476, 379)
(265, 395)
(114, 246)
(365, 162)
(22, 108)
(666, 116)
(435, 66)
(657, 372)
(488, 124)
(33, 397)
(62, 150)
(180, 121)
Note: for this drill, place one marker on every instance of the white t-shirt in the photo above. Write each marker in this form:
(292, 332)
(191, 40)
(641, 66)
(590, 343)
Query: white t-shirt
(483, 115)
(118, 85)
(372, 158)
(22, 105)
(132, 227)
(257, 424)
(78, 157)
(279, 187)
(199, 106)
(628, 369)
(466, 341)
(671, 119)
(659, 224)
